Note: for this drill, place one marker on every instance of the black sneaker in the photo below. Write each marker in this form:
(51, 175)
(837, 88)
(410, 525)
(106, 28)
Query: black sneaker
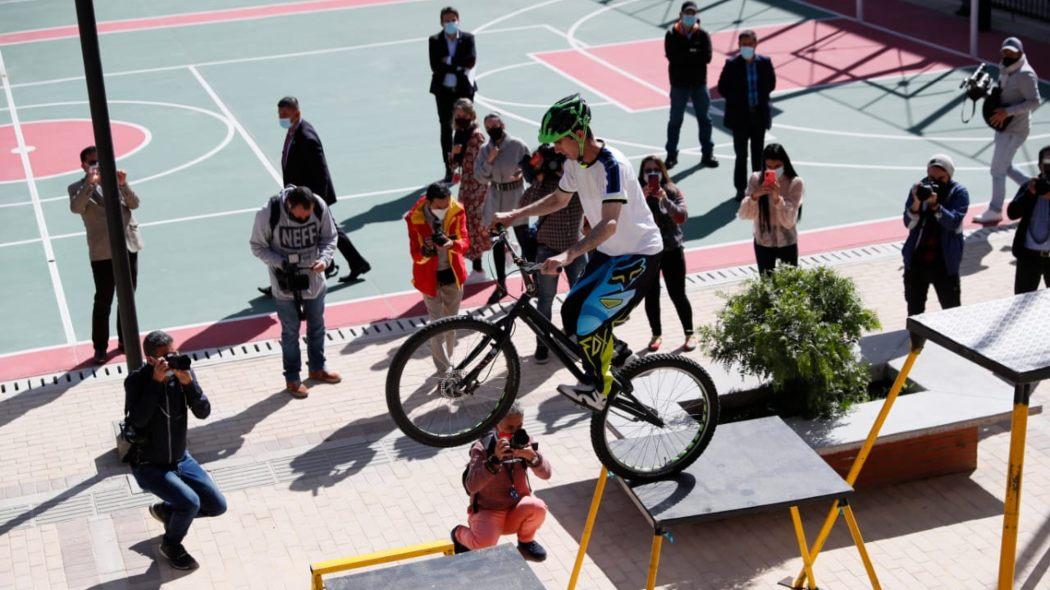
(542, 355)
(160, 512)
(709, 161)
(622, 356)
(178, 558)
(532, 551)
(99, 357)
(671, 161)
(355, 274)
(457, 547)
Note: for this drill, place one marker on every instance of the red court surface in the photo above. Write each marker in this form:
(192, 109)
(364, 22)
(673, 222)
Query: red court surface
(806, 54)
(409, 303)
(50, 144)
(191, 18)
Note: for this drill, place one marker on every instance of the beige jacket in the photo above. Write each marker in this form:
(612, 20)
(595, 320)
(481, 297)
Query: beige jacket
(86, 201)
(782, 229)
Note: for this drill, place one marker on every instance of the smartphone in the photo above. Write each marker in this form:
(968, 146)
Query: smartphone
(770, 178)
(653, 182)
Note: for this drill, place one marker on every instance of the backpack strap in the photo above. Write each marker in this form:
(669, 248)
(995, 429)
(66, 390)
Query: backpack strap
(275, 211)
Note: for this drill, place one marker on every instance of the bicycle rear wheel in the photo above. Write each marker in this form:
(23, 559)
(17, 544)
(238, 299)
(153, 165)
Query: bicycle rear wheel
(681, 397)
(450, 382)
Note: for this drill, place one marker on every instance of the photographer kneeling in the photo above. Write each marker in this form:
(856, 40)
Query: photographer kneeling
(295, 236)
(497, 481)
(157, 396)
(934, 214)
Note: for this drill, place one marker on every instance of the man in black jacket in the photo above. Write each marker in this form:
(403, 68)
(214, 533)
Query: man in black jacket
(1031, 245)
(156, 399)
(303, 164)
(746, 83)
(452, 59)
(688, 51)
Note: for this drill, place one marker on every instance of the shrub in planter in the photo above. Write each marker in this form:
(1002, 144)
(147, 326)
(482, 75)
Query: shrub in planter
(797, 327)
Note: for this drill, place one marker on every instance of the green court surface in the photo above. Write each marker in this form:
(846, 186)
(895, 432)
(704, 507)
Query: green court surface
(206, 94)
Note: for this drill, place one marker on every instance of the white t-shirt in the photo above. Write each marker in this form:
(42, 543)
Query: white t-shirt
(611, 179)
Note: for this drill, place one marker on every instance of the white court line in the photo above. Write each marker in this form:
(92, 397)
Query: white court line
(49, 252)
(511, 15)
(240, 128)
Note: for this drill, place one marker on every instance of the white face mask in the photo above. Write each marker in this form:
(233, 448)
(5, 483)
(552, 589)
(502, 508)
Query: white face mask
(779, 172)
(439, 213)
(286, 123)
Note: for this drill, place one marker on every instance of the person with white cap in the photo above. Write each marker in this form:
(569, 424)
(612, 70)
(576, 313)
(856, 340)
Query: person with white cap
(1019, 97)
(1031, 245)
(934, 214)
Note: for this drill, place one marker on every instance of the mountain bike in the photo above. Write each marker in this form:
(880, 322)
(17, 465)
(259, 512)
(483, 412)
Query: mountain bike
(456, 377)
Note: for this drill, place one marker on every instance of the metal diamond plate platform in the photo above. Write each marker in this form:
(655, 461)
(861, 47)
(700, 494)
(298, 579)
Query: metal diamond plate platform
(1010, 337)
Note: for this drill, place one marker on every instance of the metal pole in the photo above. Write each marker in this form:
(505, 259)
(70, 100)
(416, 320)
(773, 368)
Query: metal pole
(588, 528)
(860, 10)
(973, 27)
(1012, 504)
(107, 165)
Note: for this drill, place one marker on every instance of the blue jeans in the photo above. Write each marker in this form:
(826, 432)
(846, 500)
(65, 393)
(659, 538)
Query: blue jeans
(289, 316)
(680, 96)
(187, 491)
(547, 285)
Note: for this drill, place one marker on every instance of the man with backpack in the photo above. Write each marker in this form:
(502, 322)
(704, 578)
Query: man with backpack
(294, 235)
(497, 481)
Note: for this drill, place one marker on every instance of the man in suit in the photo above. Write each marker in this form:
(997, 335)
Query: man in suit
(746, 83)
(303, 164)
(452, 59)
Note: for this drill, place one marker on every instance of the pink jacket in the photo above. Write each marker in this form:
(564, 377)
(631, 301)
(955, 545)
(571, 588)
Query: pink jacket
(493, 487)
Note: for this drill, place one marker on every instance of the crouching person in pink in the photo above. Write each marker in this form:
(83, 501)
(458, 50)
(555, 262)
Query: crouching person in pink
(497, 481)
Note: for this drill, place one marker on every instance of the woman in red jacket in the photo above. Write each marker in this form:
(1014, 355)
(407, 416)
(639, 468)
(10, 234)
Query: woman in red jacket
(437, 239)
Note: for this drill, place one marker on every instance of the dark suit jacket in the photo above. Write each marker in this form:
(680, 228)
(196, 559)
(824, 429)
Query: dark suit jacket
(732, 85)
(1021, 207)
(464, 59)
(306, 164)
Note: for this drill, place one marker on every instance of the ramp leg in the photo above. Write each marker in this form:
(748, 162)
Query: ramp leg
(1012, 506)
(588, 528)
(800, 534)
(654, 559)
(854, 532)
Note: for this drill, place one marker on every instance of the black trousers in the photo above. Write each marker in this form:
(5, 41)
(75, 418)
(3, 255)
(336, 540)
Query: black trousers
(347, 249)
(754, 131)
(672, 267)
(445, 98)
(528, 252)
(1030, 269)
(766, 257)
(105, 286)
(917, 281)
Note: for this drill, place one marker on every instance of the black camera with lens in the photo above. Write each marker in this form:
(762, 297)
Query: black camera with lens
(440, 238)
(1042, 186)
(927, 188)
(980, 86)
(290, 277)
(518, 441)
(178, 362)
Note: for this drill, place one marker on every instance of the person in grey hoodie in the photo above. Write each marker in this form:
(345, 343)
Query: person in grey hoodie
(294, 235)
(1020, 97)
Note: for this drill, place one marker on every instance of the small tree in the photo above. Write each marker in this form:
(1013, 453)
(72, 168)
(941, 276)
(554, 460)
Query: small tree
(798, 327)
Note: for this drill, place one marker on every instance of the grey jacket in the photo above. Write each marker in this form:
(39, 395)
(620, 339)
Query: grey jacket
(1020, 96)
(87, 201)
(501, 171)
(313, 241)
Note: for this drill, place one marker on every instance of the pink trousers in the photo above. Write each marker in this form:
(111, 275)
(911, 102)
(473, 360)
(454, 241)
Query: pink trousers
(485, 526)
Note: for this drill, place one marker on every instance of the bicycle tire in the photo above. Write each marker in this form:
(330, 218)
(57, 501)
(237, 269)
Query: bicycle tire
(699, 442)
(404, 354)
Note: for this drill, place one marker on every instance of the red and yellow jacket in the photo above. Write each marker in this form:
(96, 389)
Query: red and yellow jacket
(424, 269)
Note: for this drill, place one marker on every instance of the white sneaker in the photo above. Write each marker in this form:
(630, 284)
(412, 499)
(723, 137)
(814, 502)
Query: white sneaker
(584, 395)
(477, 276)
(989, 216)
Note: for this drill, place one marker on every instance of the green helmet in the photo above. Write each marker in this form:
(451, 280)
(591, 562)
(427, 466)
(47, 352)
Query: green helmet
(563, 118)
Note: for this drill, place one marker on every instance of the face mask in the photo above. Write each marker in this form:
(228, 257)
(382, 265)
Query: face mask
(779, 172)
(747, 52)
(688, 20)
(1009, 61)
(496, 133)
(451, 28)
(439, 213)
(286, 123)
(463, 123)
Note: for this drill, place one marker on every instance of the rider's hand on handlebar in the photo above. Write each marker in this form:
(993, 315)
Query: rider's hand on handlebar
(501, 220)
(554, 264)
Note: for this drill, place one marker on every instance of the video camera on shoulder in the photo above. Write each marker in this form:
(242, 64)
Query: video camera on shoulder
(977, 86)
(290, 276)
(927, 188)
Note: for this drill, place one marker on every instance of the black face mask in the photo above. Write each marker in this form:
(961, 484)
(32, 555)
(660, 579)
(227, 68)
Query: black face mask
(1009, 61)
(496, 133)
(463, 123)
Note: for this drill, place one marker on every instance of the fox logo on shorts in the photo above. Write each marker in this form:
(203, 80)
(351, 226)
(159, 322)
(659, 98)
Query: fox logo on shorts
(626, 276)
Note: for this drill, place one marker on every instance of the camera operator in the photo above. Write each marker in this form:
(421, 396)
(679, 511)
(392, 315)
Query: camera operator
(294, 235)
(438, 241)
(1031, 245)
(1019, 97)
(497, 481)
(934, 214)
(157, 396)
(555, 232)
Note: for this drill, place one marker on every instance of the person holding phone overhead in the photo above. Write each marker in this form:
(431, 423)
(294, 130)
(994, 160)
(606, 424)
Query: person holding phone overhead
(773, 199)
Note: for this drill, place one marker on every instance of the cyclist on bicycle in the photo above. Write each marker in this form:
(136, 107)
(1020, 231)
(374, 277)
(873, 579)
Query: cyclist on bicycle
(623, 233)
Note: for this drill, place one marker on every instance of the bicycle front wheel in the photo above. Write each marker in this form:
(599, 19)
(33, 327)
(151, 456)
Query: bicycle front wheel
(679, 399)
(452, 381)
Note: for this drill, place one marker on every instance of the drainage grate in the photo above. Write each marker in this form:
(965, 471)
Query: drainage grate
(75, 507)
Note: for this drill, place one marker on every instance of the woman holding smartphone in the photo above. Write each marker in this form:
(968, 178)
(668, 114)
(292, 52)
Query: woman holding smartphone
(773, 199)
(667, 203)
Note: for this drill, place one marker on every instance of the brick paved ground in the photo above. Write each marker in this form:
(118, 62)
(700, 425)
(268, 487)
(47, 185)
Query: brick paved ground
(329, 476)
